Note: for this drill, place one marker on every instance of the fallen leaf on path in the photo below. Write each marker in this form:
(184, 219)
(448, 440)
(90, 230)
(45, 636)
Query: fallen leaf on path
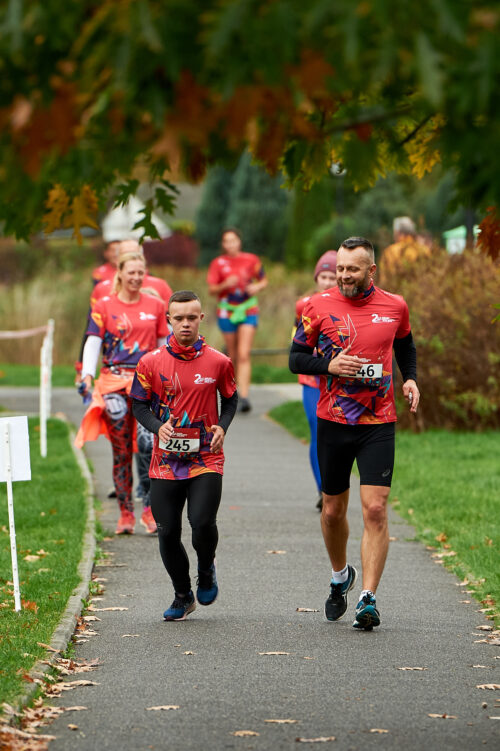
(444, 716)
(99, 579)
(322, 739)
(13, 739)
(489, 686)
(163, 706)
(188, 653)
(306, 610)
(102, 610)
(69, 686)
(466, 602)
(495, 642)
(480, 666)
(131, 636)
(493, 718)
(378, 730)
(88, 618)
(244, 733)
(484, 628)
(47, 646)
(73, 709)
(277, 552)
(282, 722)
(73, 727)
(412, 668)
(392, 539)
(274, 653)
(308, 658)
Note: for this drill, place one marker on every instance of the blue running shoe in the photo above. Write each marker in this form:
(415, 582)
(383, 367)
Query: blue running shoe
(367, 615)
(180, 608)
(208, 588)
(336, 605)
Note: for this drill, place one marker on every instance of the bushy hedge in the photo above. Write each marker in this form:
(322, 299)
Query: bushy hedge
(451, 300)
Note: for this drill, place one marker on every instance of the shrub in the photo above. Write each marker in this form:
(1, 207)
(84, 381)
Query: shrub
(451, 300)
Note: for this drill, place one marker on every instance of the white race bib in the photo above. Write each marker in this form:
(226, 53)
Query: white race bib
(182, 441)
(370, 371)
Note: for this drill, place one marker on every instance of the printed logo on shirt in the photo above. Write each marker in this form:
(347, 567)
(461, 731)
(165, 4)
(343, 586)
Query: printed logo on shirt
(147, 316)
(198, 378)
(382, 319)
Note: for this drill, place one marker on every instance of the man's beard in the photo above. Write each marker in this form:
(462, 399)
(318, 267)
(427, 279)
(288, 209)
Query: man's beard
(356, 289)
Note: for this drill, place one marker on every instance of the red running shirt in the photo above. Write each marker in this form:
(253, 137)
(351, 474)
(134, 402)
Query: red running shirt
(305, 380)
(247, 267)
(128, 330)
(104, 272)
(186, 389)
(330, 322)
(103, 289)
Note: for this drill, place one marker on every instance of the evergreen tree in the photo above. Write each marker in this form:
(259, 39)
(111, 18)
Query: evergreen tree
(211, 214)
(258, 208)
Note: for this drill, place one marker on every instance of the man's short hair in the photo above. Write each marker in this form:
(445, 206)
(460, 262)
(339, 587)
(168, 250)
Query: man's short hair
(183, 295)
(359, 242)
(404, 225)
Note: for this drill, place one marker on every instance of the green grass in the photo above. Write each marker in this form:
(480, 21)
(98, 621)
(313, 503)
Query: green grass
(29, 375)
(50, 517)
(446, 485)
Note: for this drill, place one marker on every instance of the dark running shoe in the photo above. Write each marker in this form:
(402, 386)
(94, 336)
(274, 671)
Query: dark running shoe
(244, 405)
(367, 615)
(208, 588)
(336, 605)
(180, 608)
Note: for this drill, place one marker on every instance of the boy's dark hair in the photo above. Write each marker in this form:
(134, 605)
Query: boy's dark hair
(183, 295)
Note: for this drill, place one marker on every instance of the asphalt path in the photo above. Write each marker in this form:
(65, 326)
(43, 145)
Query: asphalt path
(327, 680)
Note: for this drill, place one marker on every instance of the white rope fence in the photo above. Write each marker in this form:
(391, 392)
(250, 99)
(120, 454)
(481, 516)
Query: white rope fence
(45, 372)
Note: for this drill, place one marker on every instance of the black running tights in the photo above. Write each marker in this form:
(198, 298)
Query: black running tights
(168, 497)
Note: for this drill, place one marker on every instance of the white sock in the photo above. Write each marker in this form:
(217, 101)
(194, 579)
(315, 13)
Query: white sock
(339, 577)
(366, 592)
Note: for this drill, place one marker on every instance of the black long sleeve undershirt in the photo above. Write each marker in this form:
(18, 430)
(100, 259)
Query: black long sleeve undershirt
(303, 361)
(143, 414)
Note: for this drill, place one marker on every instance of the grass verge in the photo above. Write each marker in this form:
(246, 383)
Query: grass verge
(446, 485)
(50, 517)
(29, 375)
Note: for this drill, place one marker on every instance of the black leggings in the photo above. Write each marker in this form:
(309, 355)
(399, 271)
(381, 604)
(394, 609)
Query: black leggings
(203, 494)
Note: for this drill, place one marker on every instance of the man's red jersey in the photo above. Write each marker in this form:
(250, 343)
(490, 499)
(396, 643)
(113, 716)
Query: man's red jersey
(187, 390)
(370, 323)
(105, 272)
(247, 267)
(128, 330)
(103, 289)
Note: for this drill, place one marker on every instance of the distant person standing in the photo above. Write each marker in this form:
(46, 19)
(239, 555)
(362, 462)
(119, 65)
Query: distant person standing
(107, 270)
(325, 277)
(175, 393)
(125, 325)
(406, 248)
(236, 277)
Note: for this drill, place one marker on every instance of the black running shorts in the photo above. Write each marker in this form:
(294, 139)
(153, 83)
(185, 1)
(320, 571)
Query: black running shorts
(339, 445)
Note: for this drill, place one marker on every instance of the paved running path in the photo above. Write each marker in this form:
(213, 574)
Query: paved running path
(333, 680)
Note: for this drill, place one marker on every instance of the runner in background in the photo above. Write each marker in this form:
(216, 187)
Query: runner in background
(325, 277)
(235, 277)
(175, 393)
(126, 325)
(108, 269)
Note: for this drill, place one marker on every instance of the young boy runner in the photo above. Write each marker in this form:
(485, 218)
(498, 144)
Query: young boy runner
(174, 395)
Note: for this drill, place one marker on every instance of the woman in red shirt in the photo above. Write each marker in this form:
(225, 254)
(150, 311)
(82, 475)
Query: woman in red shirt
(126, 325)
(236, 277)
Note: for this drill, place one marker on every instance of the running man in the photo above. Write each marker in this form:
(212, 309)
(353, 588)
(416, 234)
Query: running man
(355, 327)
(174, 394)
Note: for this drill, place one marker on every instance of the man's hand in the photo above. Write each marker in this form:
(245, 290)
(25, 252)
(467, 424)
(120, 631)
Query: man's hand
(218, 439)
(165, 431)
(411, 392)
(345, 364)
